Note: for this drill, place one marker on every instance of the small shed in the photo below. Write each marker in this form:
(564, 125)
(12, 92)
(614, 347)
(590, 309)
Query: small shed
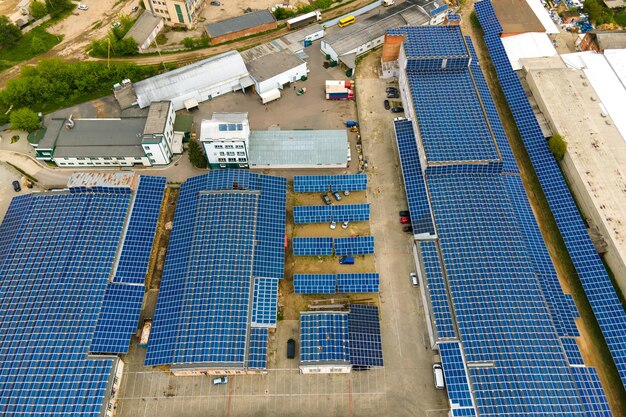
(240, 26)
(145, 29)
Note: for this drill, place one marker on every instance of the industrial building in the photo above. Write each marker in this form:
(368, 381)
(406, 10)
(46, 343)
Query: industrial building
(145, 29)
(70, 307)
(339, 341)
(225, 138)
(582, 98)
(204, 80)
(487, 279)
(110, 142)
(366, 34)
(219, 289)
(240, 26)
(177, 13)
(295, 40)
(595, 280)
(272, 67)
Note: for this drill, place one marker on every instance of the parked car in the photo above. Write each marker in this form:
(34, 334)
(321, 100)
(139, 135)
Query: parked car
(82, 6)
(405, 220)
(333, 224)
(386, 104)
(16, 186)
(391, 90)
(326, 199)
(344, 225)
(216, 3)
(405, 213)
(414, 280)
(346, 193)
(337, 195)
(116, 25)
(291, 349)
(393, 95)
(346, 260)
(398, 109)
(438, 375)
(407, 229)
(220, 380)
(134, 9)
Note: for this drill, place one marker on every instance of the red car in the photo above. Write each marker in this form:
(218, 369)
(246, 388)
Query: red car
(405, 220)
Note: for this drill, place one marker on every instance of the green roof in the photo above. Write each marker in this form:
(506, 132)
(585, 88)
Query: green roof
(36, 136)
(183, 123)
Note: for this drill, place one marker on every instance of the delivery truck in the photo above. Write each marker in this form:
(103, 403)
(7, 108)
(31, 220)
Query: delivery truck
(303, 20)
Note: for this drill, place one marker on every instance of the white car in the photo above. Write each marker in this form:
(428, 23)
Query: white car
(82, 6)
(344, 225)
(333, 224)
(220, 380)
(116, 25)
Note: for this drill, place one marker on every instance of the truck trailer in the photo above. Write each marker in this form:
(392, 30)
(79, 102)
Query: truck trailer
(303, 20)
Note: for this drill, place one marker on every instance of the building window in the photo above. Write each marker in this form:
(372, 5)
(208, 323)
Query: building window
(219, 146)
(242, 159)
(229, 146)
(241, 153)
(221, 159)
(222, 154)
(239, 146)
(230, 153)
(232, 159)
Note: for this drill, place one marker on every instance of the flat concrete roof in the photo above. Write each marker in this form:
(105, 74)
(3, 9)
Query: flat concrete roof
(516, 16)
(157, 118)
(299, 148)
(95, 138)
(267, 66)
(235, 24)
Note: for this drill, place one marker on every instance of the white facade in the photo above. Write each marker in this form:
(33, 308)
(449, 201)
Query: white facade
(158, 144)
(278, 81)
(225, 138)
(152, 36)
(119, 161)
(317, 368)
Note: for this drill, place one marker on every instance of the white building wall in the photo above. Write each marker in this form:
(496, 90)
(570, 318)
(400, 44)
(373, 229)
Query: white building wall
(159, 147)
(328, 50)
(315, 36)
(278, 81)
(152, 36)
(101, 161)
(226, 152)
(325, 369)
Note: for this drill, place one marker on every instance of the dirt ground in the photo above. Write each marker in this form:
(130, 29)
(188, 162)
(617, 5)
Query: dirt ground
(232, 8)
(7, 7)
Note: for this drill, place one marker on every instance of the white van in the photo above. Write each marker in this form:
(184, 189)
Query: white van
(414, 281)
(438, 374)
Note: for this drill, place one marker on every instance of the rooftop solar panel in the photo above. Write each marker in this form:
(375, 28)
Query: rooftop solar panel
(594, 399)
(324, 337)
(11, 223)
(365, 344)
(358, 283)
(324, 183)
(432, 41)
(312, 246)
(265, 302)
(572, 352)
(456, 377)
(594, 278)
(323, 214)
(258, 349)
(357, 245)
(315, 283)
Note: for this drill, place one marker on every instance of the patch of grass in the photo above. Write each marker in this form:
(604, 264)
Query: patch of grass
(24, 51)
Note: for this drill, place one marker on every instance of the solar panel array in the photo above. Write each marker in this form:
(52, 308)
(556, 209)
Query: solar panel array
(133, 263)
(312, 246)
(432, 41)
(365, 346)
(323, 214)
(322, 183)
(594, 278)
(225, 257)
(357, 245)
(456, 377)
(340, 283)
(439, 299)
(419, 208)
(49, 300)
(324, 337)
(257, 356)
(591, 392)
(572, 352)
(315, 283)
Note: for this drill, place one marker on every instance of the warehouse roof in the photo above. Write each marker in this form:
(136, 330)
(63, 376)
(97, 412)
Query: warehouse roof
(143, 27)
(516, 16)
(298, 147)
(527, 45)
(374, 27)
(189, 79)
(95, 138)
(611, 39)
(269, 65)
(235, 24)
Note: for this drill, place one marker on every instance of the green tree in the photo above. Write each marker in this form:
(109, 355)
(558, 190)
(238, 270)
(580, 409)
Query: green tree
(558, 146)
(188, 42)
(196, 156)
(38, 9)
(10, 34)
(281, 13)
(37, 46)
(24, 119)
(56, 7)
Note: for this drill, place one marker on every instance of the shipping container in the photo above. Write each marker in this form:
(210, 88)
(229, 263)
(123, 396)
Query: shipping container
(303, 20)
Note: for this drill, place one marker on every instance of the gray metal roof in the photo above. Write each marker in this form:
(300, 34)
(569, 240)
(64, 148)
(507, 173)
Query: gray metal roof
(191, 78)
(95, 138)
(143, 27)
(267, 66)
(611, 39)
(235, 24)
(298, 36)
(157, 118)
(374, 27)
(298, 147)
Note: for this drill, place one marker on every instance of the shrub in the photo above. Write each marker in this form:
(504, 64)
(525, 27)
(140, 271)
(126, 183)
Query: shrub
(196, 156)
(188, 42)
(10, 34)
(24, 119)
(38, 9)
(37, 46)
(558, 146)
(281, 13)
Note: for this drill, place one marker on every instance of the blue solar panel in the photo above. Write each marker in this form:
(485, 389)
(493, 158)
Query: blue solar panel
(228, 228)
(322, 183)
(315, 283)
(365, 344)
(439, 300)
(357, 245)
(258, 349)
(265, 302)
(591, 392)
(322, 214)
(358, 283)
(133, 263)
(432, 41)
(312, 246)
(118, 318)
(596, 283)
(324, 337)
(572, 352)
(419, 208)
(11, 223)
(456, 378)
(49, 301)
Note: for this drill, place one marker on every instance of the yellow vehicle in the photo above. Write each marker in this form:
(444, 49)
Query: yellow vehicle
(346, 21)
